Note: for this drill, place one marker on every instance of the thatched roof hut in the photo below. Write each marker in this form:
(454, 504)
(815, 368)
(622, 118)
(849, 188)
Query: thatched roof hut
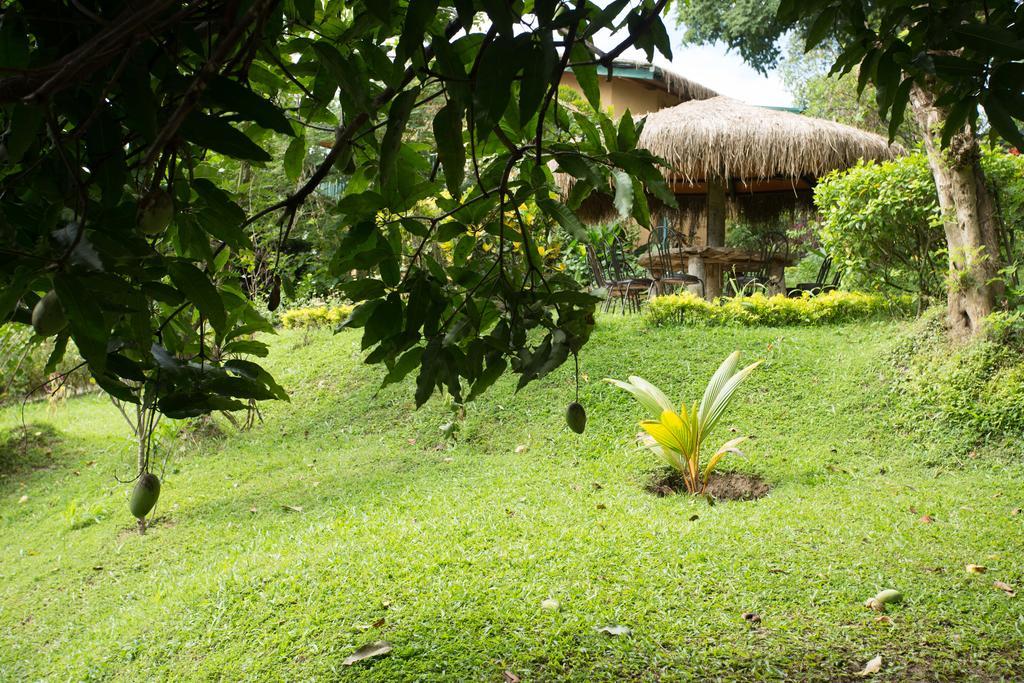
(767, 159)
(726, 138)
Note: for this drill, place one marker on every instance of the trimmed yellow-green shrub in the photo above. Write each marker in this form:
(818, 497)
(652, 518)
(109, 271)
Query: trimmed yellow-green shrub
(315, 316)
(758, 309)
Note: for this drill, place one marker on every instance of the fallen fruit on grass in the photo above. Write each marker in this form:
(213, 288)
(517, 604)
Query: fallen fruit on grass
(576, 417)
(48, 315)
(155, 212)
(145, 495)
(883, 598)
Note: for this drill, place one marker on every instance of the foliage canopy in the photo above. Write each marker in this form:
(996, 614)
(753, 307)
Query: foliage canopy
(124, 123)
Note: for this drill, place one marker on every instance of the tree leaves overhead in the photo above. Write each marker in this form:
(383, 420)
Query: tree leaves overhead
(424, 130)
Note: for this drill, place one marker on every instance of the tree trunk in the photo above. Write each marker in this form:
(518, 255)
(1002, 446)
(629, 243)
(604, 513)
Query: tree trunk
(969, 218)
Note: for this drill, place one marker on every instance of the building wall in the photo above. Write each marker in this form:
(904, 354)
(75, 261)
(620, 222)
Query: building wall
(640, 97)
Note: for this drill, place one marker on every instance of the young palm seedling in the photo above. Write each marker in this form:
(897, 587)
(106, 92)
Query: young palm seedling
(678, 437)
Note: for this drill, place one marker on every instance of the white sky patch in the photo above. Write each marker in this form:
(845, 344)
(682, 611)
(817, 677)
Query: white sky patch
(713, 66)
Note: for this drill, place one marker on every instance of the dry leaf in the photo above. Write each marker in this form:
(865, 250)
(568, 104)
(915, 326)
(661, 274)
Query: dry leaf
(752, 617)
(976, 569)
(510, 677)
(872, 667)
(378, 623)
(1005, 587)
(615, 630)
(1016, 511)
(375, 649)
(927, 519)
(521, 448)
(292, 508)
(882, 619)
(874, 604)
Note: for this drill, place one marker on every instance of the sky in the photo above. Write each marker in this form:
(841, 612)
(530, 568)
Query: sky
(715, 67)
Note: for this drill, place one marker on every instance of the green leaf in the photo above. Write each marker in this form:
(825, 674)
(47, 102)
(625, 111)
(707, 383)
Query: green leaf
(198, 289)
(450, 149)
(820, 28)
(586, 74)
(294, 157)
(88, 326)
(623, 193)
(991, 40)
(398, 117)
(231, 95)
(563, 216)
(220, 136)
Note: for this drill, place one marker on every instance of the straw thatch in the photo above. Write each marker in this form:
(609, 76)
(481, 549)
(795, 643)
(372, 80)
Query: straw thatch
(725, 138)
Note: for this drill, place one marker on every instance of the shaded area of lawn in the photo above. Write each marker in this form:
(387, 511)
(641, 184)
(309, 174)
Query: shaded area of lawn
(448, 551)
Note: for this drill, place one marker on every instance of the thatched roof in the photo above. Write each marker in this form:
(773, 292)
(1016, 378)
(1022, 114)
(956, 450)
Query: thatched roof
(727, 138)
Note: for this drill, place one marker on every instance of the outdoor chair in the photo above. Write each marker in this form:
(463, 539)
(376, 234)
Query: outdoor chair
(774, 246)
(659, 247)
(820, 284)
(614, 273)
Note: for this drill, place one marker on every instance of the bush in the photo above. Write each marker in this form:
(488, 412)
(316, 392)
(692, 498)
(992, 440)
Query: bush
(758, 309)
(978, 386)
(23, 358)
(313, 317)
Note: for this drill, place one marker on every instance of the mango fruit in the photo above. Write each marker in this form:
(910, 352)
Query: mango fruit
(48, 315)
(155, 212)
(576, 417)
(145, 495)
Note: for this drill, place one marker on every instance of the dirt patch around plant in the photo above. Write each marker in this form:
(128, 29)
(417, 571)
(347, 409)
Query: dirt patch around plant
(722, 486)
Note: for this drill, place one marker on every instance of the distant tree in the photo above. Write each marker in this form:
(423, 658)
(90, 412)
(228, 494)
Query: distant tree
(820, 93)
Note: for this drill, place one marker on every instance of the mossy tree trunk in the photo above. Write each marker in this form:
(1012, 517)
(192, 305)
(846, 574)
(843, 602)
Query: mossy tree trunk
(969, 218)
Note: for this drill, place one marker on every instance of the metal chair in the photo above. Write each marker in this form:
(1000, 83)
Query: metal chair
(659, 248)
(819, 285)
(615, 274)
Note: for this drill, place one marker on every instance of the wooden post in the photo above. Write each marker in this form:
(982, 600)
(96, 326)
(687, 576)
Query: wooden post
(716, 234)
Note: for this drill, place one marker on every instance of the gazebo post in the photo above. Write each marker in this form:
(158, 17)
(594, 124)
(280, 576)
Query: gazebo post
(715, 236)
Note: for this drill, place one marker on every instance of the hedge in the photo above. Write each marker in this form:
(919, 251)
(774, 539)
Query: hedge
(832, 307)
(315, 316)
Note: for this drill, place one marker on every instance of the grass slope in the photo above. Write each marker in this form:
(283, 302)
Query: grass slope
(447, 552)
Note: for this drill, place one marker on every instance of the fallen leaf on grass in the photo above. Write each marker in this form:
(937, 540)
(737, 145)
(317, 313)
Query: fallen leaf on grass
(521, 448)
(510, 677)
(292, 508)
(752, 617)
(976, 569)
(378, 623)
(882, 619)
(1005, 587)
(872, 667)
(1016, 511)
(927, 519)
(375, 649)
(615, 630)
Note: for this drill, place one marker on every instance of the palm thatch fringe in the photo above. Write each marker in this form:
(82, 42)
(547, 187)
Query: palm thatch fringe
(725, 138)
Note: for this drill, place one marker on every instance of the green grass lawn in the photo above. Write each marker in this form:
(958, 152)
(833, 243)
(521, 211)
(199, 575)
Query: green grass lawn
(447, 551)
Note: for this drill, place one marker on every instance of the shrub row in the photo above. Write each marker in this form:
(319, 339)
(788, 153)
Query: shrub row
(833, 307)
(315, 316)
